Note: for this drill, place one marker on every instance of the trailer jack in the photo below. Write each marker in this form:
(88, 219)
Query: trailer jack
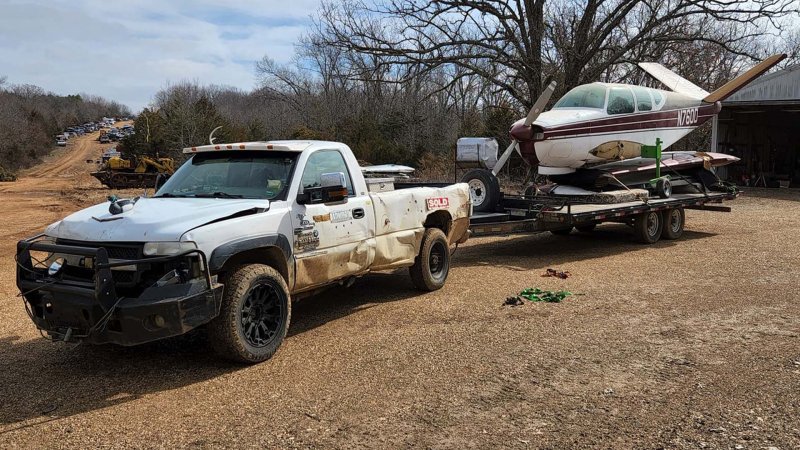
(661, 185)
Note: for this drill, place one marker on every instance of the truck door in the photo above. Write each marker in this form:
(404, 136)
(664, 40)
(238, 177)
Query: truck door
(331, 240)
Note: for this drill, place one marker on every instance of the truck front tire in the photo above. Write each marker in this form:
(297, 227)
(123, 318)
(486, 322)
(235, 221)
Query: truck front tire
(432, 264)
(254, 317)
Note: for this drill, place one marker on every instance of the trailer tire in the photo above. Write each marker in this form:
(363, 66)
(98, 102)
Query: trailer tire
(587, 228)
(664, 188)
(561, 231)
(256, 302)
(484, 189)
(648, 226)
(432, 264)
(674, 220)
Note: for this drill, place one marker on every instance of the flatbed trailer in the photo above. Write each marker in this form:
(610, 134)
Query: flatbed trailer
(651, 219)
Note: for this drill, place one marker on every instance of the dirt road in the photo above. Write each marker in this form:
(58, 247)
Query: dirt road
(686, 344)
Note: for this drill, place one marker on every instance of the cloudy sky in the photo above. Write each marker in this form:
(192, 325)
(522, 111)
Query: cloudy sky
(126, 51)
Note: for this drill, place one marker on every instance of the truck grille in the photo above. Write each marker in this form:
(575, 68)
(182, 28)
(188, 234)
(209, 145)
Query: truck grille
(122, 278)
(115, 250)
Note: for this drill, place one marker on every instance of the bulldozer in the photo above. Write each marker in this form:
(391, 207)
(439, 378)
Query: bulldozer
(138, 172)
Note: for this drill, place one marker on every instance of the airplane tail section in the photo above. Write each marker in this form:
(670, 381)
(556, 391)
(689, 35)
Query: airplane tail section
(673, 81)
(744, 79)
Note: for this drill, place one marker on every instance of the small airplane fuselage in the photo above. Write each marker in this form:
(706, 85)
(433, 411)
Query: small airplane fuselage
(603, 122)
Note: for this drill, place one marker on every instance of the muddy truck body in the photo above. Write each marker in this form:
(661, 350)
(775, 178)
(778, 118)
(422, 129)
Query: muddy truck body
(228, 241)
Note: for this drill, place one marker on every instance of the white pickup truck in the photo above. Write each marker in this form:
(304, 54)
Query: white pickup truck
(228, 241)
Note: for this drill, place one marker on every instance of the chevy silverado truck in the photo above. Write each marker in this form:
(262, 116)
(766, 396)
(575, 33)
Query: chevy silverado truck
(228, 241)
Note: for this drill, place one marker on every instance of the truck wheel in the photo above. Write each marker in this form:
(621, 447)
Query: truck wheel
(432, 265)
(561, 231)
(647, 227)
(663, 188)
(674, 220)
(483, 188)
(587, 228)
(255, 314)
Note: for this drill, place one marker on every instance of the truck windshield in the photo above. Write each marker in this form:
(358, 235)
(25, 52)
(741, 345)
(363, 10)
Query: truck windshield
(236, 174)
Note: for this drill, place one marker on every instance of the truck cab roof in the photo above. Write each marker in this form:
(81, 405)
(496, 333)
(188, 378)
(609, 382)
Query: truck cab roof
(284, 146)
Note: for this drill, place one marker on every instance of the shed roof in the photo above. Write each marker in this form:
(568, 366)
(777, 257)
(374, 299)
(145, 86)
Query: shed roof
(781, 87)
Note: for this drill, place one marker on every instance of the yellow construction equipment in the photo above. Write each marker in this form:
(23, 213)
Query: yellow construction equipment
(141, 171)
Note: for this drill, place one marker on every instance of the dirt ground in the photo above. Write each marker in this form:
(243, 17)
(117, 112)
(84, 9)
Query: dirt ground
(686, 344)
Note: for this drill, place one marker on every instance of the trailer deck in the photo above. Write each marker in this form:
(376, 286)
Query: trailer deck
(519, 214)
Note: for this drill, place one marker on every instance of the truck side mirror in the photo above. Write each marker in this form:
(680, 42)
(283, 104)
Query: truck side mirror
(332, 179)
(332, 189)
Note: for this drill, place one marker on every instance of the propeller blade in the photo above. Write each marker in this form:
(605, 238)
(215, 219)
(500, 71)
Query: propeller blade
(541, 102)
(503, 158)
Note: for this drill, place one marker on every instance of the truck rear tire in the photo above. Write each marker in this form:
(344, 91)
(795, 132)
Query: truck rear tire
(432, 264)
(648, 226)
(254, 317)
(674, 220)
(484, 189)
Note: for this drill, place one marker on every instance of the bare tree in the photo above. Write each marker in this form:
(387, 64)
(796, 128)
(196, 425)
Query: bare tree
(515, 45)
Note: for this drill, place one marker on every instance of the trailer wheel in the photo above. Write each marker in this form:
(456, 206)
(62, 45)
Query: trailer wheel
(254, 317)
(483, 188)
(674, 220)
(647, 227)
(432, 265)
(587, 228)
(663, 188)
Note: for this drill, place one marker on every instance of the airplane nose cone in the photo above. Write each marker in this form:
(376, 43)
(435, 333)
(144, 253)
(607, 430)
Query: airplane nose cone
(521, 132)
(526, 136)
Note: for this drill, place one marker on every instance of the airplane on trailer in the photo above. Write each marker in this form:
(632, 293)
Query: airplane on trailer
(598, 128)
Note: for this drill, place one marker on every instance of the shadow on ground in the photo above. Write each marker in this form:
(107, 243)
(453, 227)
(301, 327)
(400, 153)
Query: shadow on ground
(42, 381)
(526, 252)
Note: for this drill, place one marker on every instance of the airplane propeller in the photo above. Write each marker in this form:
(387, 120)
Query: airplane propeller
(536, 109)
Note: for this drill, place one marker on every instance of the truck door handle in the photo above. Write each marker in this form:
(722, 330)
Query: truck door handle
(358, 213)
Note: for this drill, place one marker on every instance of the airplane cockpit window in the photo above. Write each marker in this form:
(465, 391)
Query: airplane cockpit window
(657, 97)
(620, 101)
(586, 96)
(643, 101)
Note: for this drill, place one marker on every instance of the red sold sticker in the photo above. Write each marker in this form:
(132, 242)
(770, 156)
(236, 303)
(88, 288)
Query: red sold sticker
(438, 202)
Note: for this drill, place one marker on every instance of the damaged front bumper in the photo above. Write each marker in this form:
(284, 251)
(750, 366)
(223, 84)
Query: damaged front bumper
(72, 295)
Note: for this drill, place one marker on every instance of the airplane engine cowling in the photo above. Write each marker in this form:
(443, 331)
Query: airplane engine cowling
(527, 136)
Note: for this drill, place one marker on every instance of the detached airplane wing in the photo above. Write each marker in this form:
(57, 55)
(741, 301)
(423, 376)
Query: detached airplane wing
(744, 79)
(673, 81)
(683, 86)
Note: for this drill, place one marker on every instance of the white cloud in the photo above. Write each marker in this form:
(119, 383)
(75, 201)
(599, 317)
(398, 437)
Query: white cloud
(127, 51)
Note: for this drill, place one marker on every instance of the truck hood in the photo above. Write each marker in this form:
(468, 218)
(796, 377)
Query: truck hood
(151, 219)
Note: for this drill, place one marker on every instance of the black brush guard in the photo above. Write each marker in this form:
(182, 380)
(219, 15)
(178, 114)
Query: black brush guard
(92, 312)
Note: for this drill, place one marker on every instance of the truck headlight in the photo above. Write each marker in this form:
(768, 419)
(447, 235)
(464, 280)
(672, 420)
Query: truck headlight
(167, 248)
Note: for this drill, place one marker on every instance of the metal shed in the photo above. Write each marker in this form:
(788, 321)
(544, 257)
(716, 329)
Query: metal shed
(761, 125)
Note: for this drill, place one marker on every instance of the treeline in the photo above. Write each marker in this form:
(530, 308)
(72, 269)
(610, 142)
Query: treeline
(31, 117)
(382, 122)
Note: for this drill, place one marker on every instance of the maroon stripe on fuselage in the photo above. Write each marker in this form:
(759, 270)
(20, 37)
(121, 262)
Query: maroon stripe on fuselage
(674, 118)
